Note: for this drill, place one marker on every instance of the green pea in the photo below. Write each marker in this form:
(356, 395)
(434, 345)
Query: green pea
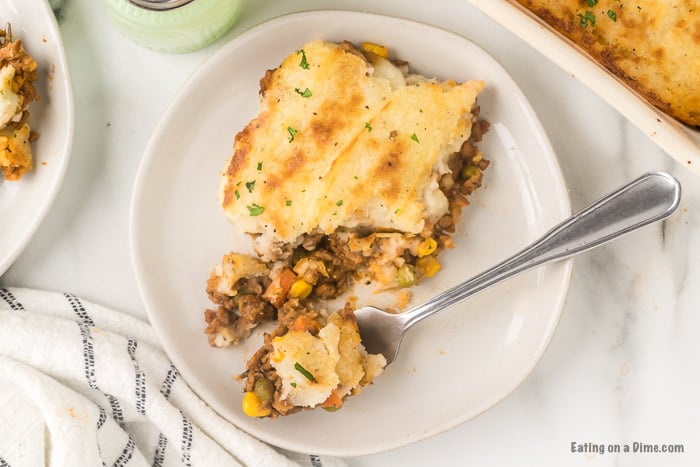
(406, 275)
(470, 171)
(264, 389)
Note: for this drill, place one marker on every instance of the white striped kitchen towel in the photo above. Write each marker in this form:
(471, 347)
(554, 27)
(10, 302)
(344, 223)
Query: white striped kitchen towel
(83, 385)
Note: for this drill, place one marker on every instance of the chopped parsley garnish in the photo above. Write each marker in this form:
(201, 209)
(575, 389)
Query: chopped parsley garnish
(339, 203)
(293, 384)
(292, 132)
(612, 15)
(288, 202)
(368, 126)
(592, 2)
(415, 138)
(250, 186)
(396, 211)
(586, 19)
(255, 209)
(305, 372)
(259, 166)
(305, 93)
(238, 195)
(303, 63)
(355, 177)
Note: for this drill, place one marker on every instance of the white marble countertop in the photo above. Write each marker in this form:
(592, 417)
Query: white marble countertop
(623, 366)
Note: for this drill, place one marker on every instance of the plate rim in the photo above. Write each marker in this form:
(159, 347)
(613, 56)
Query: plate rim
(148, 160)
(57, 181)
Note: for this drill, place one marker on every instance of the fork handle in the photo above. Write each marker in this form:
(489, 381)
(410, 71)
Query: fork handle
(650, 198)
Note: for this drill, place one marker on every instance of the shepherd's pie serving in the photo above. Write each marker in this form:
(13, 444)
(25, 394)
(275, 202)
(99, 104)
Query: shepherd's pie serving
(17, 91)
(353, 169)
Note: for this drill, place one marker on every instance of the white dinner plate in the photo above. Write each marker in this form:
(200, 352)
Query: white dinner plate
(453, 366)
(23, 204)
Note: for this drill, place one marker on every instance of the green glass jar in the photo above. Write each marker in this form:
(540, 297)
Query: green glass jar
(174, 25)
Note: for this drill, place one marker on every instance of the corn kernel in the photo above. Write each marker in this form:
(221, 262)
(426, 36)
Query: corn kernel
(428, 266)
(252, 406)
(427, 246)
(300, 289)
(375, 49)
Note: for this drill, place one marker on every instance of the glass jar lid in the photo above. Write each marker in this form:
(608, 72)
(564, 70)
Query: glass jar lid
(160, 4)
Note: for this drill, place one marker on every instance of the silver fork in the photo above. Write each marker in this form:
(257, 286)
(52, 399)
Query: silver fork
(650, 198)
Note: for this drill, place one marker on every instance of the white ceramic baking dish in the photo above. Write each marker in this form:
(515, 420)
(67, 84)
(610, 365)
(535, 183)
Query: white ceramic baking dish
(679, 141)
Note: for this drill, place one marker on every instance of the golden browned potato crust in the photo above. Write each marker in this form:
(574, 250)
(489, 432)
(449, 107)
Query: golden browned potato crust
(651, 45)
(334, 145)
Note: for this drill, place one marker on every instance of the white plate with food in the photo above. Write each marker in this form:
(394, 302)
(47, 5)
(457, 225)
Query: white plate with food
(26, 196)
(451, 368)
(638, 70)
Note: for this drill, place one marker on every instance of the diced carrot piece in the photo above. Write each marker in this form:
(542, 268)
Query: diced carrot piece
(333, 401)
(301, 323)
(287, 278)
(277, 291)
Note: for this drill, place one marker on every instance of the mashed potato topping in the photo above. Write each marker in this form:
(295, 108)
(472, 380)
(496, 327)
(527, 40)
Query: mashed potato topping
(309, 366)
(313, 368)
(323, 154)
(354, 169)
(10, 101)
